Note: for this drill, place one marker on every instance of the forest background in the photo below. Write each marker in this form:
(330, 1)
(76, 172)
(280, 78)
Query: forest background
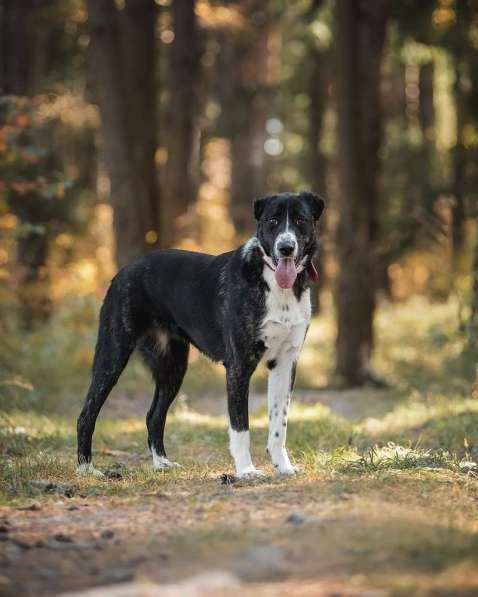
(128, 126)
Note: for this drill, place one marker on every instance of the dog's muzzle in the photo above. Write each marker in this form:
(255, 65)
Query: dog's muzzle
(286, 246)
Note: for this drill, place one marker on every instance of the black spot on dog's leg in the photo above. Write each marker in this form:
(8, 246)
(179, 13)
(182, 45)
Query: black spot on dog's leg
(277, 434)
(292, 377)
(271, 364)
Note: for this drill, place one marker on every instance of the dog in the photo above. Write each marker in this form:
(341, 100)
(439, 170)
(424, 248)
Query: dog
(237, 308)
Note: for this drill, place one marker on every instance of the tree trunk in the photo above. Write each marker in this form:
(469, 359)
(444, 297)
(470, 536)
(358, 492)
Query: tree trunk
(182, 169)
(459, 166)
(140, 58)
(20, 47)
(317, 160)
(244, 100)
(34, 286)
(360, 35)
(473, 319)
(426, 107)
(123, 69)
(23, 48)
(470, 352)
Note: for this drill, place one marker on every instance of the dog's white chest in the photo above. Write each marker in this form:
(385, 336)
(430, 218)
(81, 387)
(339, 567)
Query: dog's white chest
(286, 320)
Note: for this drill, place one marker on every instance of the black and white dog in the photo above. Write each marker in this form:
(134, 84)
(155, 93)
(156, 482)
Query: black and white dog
(237, 308)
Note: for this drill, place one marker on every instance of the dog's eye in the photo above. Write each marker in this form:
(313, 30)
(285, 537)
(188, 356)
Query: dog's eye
(301, 221)
(273, 222)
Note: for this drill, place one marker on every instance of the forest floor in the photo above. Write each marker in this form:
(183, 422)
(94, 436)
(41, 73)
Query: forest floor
(399, 518)
(386, 502)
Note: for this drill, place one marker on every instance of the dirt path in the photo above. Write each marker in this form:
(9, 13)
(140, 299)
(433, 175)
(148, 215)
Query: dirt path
(354, 404)
(333, 542)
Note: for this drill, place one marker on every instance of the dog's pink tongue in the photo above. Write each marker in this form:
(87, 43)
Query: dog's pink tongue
(286, 273)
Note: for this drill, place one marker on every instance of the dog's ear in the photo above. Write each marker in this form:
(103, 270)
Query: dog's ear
(315, 203)
(259, 206)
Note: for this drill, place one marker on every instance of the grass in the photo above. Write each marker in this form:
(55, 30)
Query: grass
(438, 439)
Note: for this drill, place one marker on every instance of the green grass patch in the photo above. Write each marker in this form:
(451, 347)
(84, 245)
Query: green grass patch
(325, 446)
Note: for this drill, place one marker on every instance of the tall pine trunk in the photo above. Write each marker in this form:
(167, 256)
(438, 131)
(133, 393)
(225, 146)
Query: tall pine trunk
(472, 325)
(360, 27)
(459, 165)
(182, 170)
(316, 159)
(123, 59)
(244, 97)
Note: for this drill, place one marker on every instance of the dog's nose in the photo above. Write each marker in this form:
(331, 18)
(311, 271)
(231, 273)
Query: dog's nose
(286, 248)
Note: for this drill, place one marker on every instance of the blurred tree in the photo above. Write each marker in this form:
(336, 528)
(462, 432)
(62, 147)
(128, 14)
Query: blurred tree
(318, 78)
(244, 95)
(19, 76)
(426, 106)
(453, 31)
(360, 28)
(33, 183)
(183, 133)
(457, 37)
(459, 161)
(123, 59)
(473, 319)
(450, 26)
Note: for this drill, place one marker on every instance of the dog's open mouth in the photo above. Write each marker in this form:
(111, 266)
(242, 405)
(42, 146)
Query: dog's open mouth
(286, 272)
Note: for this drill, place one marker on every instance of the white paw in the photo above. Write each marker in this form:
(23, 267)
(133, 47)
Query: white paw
(288, 469)
(88, 469)
(250, 472)
(161, 463)
(281, 462)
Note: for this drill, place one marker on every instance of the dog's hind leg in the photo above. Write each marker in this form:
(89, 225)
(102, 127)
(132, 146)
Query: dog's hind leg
(168, 359)
(116, 342)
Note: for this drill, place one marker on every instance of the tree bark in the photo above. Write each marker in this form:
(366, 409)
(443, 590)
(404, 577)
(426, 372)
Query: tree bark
(360, 35)
(123, 62)
(473, 319)
(182, 169)
(426, 106)
(19, 45)
(23, 48)
(459, 166)
(140, 58)
(317, 160)
(244, 94)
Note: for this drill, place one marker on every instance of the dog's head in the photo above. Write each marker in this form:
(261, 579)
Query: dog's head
(286, 230)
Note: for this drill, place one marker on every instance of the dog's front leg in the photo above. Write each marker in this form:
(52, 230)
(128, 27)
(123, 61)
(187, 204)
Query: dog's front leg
(280, 384)
(238, 378)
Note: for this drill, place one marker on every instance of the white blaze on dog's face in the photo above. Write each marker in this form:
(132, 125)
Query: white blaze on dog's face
(286, 231)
